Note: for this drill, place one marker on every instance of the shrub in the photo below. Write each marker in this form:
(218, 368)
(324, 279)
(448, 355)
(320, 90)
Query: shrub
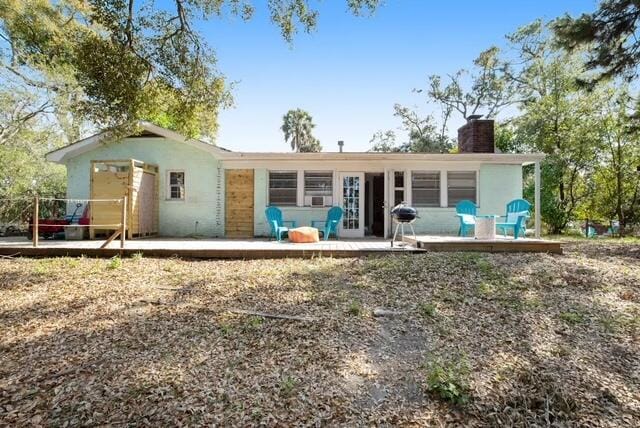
(115, 262)
(428, 310)
(355, 308)
(287, 385)
(447, 379)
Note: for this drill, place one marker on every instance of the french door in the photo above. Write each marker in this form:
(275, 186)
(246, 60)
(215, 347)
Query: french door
(352, 202)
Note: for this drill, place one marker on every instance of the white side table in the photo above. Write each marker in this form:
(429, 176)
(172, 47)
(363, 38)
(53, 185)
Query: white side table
(485, 227)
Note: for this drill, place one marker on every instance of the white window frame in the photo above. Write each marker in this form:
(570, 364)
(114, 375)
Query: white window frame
(304, 187)
(184, 185)
(297, 200)
(403, 188)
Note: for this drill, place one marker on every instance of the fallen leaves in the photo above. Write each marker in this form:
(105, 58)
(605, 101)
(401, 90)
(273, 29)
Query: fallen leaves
(549, 339)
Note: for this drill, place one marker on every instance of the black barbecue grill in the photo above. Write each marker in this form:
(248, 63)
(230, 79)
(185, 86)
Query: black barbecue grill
(403, 214)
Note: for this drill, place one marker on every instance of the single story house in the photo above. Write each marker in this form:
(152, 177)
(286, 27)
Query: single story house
(195, 188)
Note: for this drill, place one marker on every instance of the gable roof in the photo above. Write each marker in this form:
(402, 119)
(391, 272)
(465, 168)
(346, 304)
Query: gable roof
(90, 143)
(62, 154)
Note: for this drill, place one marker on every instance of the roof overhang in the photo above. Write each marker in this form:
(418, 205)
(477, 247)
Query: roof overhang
(85, 145)
(63, 154)
(499, 158)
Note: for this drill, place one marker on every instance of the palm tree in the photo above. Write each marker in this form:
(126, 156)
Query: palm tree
(297, 128)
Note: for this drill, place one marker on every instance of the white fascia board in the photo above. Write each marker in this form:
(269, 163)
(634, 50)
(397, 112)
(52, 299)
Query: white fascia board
(495, 158)
(89, 143)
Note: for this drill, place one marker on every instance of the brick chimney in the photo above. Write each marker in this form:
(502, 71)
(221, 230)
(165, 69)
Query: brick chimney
(476, 136)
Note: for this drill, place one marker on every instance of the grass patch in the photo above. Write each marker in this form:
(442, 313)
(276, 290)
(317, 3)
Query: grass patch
(355, 308)
(55, 265)
(226, 329)
(115, 262)
(449, 296)
(447, 379)
(428, 310)
(620, 323)
(255, 323)
(287, 385)
(485, 267)
(485, 288)
(573, 317)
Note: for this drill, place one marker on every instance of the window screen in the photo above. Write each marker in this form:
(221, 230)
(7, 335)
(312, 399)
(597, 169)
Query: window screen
(283, 188)
(318, 183)
(461, 185)
(425, 189)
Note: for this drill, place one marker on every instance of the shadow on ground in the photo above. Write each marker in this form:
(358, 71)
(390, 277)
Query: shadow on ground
(548, 340)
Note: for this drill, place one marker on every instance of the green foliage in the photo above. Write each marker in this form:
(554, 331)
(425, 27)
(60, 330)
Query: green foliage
(558, 119)
(488, 93)
(613, 190)
(115, 262)
(505, 138)
(486, 288)
(428, 310)
(24, 172)
(573, 317)
(126, 60)
(226, 329)
(490, 89)
(287, 386)
(255, 323)
(448, 379)
(355, 308)
(590, 137)
(423, 134)
(297, 128)
(610, 37)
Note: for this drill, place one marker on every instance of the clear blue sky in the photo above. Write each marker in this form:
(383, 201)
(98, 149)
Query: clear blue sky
(351, 71)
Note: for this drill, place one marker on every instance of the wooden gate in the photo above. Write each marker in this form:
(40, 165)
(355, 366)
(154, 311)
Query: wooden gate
(239, 203)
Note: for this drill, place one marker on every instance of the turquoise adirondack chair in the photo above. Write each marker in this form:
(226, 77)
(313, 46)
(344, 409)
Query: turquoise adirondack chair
(516, 218)
(466, 212)
(334, 215)
(274, 218)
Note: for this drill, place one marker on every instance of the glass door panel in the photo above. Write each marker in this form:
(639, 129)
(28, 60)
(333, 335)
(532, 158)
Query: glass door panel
(352, 200)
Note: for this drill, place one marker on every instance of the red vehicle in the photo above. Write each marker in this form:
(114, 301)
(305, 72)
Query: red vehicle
(54, 227)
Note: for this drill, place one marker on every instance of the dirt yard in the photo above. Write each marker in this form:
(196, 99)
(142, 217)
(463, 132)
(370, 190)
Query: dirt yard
(468, 339)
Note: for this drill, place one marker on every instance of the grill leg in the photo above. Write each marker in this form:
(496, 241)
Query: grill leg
(413, 231)
(395, 234)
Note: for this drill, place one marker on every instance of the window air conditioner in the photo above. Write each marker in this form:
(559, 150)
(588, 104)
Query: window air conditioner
(318, 201)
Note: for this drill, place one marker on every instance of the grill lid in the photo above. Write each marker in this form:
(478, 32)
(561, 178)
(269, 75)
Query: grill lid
(404, 213)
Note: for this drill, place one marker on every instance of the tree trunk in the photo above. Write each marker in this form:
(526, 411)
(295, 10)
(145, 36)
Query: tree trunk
(619, 211)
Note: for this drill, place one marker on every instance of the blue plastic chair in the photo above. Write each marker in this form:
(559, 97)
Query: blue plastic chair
(466, 212)
(516, 218)
(331, 223)
(274, 218)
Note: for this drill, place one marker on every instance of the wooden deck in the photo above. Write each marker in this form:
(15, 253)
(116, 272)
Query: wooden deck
(263, 248)
(498, 245)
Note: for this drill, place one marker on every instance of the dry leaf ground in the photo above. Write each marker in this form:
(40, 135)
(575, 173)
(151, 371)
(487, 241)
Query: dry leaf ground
(548, 340)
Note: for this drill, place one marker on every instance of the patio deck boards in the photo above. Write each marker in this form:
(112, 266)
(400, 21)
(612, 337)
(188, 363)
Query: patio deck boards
(498, 245)
(262, 248)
